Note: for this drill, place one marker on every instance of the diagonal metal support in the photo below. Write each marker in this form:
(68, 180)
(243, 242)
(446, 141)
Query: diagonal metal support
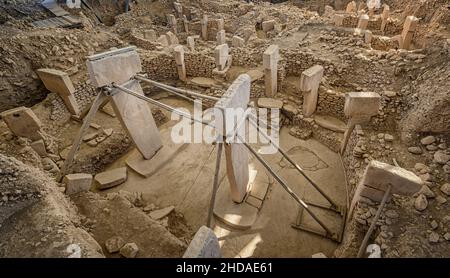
(98, 101)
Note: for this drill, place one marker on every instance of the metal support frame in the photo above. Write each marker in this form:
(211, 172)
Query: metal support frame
(106, 92)
(362, 248)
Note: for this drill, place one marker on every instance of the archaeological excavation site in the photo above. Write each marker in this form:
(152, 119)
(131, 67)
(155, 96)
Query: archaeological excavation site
(225, 129)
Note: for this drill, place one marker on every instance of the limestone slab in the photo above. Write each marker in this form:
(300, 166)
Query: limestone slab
(330, 123)
(111, 178)
(309, 85)
(268, 25)
(76, 183)
(204, 245)
(148, 167)
(137, 119)
(161, 213)
(239, 216)
(361, 104)
(379, 175)
(270, 103)
(22, 122)
(117, 66)
(221, 56)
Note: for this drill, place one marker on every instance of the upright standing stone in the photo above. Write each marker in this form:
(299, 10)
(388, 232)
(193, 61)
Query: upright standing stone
(172, 38)
(23, 122)
(137, 119)
(150, 35)
(172, 21)
(119, 66)
(186, 24)
(270, 63)
(385, 17)
(204, 24)
(363, 22)
(408, 31)
(190, 43)
(351, 7)
(204, 245)
(368, 36)
(309, 85)
(359, 107)
(220, 24)
(179, 59)
(221, 37)
(237, 41)
(235, 98)
(338, 19)
(59, 82)
(178, 8)
(221, 56)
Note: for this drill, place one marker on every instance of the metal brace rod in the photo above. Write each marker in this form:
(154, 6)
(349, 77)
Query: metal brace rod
(299, 169)
(215, 185)
(285, 186)
(159, 104)
(374, 222)
(170, 88)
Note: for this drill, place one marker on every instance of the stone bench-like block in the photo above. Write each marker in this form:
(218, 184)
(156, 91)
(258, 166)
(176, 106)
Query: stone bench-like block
(361, 104)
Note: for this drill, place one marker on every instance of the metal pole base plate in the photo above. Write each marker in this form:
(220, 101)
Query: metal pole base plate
(340, 211)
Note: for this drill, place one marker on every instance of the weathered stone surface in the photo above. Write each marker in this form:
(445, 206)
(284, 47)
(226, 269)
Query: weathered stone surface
(117, 66)
(136, 117)
(22, 122)
(59, 82)
(363, 22)
(114, 244)
(415, 150)
(76, 183)
(236, 97)
(428, 140)
(237, 41)
(161, 213)
(309, 85)
(409, 28)
(172, 38)
(179, 59)
(441, 157)
(268, 25)
(421, 203)
(379, 175)
(361, 104)
(221, 37)
(270, 62)
(39, 147)
(221, 56)
(111, 178)
(150, 35)
(204, 245)
(129, 250)
(445, 188)
(270, 103)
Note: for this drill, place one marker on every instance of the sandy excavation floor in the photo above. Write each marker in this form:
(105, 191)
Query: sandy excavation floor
(185, 182)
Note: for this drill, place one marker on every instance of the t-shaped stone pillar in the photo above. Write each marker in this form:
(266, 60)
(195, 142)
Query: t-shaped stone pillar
(59, 82)
(172, 38)
(120, 66)
(270, 62)
(385, 17)
(178, 8)
(221, 56)
(408, 31)
(221, 37)
(220, 24)
(172, 22)
(186, 24)
(227, 111)
(204, 24)
(309, 85)
(363, 22)
(179, 59)
(359, 107)
(190, 43)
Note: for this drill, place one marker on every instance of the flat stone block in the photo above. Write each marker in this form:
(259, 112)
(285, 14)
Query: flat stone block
(22, 122)
(268, 25)
(56, 81)
(117, 66)
(137, 119)
(39, 147)
(148, 167)
(76, 183)
(373, 194)
(161, 213)
(361, 104)
(204, 245)
(270, 103)
(379, 175)
(111, 178)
